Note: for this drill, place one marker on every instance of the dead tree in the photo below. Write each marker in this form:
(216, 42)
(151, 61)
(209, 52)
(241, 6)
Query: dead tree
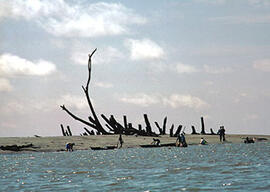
(193, 130)
(162, 131)
(178, 131)
(164, 126)
(93, 121)
(203, 129)
(69, 131)
(63, 130)
(171, 130)
(212, 132)
(148, 125)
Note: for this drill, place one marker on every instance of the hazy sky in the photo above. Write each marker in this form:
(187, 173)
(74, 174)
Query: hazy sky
(181, 59)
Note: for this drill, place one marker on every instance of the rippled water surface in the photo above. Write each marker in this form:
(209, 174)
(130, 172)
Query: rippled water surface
(220, 167)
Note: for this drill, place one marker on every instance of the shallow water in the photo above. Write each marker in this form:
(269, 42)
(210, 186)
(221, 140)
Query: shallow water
(219, 167)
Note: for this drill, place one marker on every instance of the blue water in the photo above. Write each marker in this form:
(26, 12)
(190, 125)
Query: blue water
(219, 167)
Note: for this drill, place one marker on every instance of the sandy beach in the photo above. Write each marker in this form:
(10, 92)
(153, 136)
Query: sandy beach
(54, 144)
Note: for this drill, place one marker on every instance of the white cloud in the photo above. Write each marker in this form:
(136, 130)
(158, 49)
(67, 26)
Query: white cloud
(263, 65)
(177, 100)
(217, 70)
(144, 49)
(183, 68)
(246, 19)
(103, 84)
(73, 101)
(140, 99)
(5, 85)
(102, 56)
(61, 18)
(174, 100)
(13, 65)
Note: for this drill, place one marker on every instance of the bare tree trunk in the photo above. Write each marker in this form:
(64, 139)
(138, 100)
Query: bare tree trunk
(94, 122)
(63, 130)
(164, 126)
(203, 129)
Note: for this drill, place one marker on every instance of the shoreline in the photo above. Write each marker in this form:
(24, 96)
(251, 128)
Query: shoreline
(57, 143)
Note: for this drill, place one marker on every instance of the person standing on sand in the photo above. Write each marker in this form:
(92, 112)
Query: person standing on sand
(221, 133)
(120, 141)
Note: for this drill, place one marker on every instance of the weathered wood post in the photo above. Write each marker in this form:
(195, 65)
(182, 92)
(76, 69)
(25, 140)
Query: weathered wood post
(193, 130)
(63, 130)
(140, 127)
(212, 132)
(69, 131)
(178, 130)
(148, 126)
(157, 125)
(203, 129)
(125, 122)
(164, 126)
(89, 132)
(171, 130)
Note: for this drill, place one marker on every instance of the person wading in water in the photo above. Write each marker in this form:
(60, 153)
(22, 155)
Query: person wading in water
(120, 141)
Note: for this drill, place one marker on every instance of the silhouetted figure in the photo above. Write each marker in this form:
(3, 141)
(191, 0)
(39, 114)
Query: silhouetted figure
(120, 141)
(181, 140)
(221, 133)
(156, 142)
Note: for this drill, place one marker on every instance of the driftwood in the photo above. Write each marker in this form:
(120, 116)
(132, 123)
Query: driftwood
(203, 129)
(116, 128)
(69, 131)
(125, 121)
(148, 125)
(193, 130)
(164, 126)
(162, 131)
(212, 132)
(63, 130)
(161, 145)
(178, 131)
(16, 147)
(171, 130)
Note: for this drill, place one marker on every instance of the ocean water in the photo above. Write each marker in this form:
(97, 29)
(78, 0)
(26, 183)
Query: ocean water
(217, 167)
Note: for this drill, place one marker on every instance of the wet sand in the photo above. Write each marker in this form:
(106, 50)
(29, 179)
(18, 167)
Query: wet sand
(54, 144)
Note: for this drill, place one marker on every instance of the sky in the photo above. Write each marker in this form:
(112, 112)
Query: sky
(182, 59)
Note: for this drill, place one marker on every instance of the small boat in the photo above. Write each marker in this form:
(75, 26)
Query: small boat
(104, 148)
(161, 145)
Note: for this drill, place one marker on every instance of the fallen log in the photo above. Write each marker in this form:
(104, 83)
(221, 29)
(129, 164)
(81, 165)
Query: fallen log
(161, 145)
(16, 147)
